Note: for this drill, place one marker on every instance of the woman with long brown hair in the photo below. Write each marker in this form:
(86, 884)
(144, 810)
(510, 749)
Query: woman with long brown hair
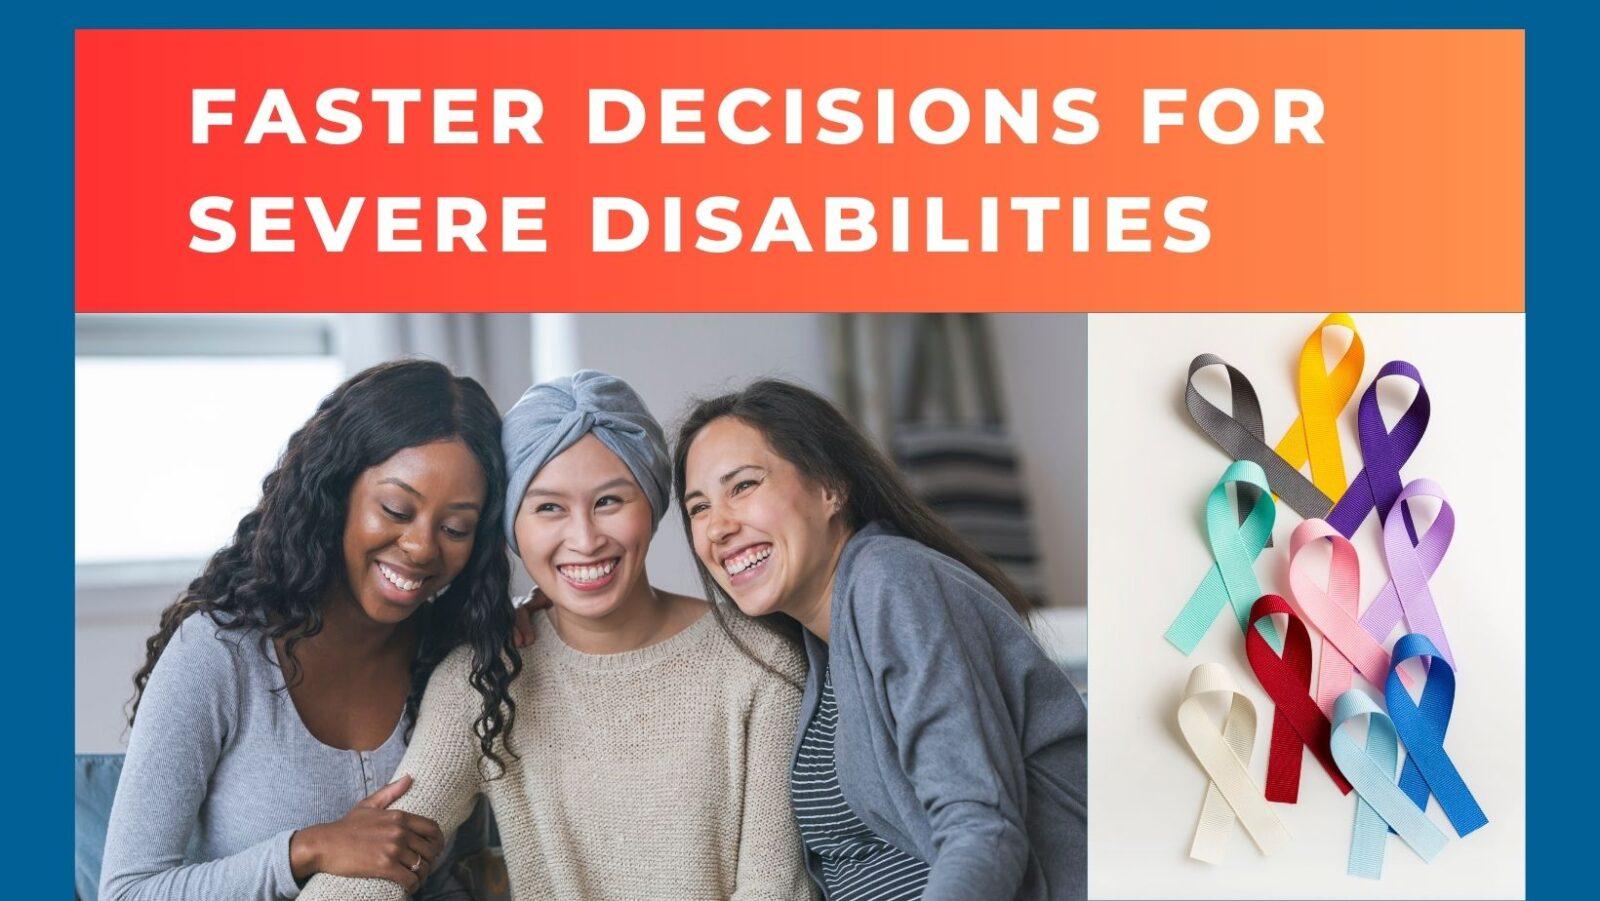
(940, 752)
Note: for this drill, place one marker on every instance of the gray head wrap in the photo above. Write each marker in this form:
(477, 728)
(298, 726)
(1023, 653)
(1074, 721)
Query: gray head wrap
(552, 416)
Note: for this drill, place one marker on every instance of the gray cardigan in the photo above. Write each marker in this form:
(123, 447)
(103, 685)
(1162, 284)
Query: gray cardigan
(959, 740)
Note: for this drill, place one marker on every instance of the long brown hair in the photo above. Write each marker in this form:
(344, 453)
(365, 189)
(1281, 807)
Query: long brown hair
(807, 430)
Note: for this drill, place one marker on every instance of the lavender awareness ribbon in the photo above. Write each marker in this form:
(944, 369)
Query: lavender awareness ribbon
(1412, 560)
(1385, 450)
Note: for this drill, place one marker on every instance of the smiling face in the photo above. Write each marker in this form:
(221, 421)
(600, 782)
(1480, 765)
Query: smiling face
(410, 527)
(584, 529)
(768, 535)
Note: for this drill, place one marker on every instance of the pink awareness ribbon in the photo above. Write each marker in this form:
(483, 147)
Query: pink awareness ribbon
(1333, 611)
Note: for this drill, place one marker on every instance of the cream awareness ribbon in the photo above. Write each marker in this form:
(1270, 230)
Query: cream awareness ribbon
(1224, 755)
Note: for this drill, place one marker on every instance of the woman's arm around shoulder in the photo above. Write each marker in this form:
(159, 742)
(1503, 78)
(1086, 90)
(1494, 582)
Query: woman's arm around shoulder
(443, 761)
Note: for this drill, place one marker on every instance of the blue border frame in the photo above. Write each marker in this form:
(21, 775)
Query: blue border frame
(38, 530)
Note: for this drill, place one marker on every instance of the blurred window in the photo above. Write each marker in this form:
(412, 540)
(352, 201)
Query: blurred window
(177, 419)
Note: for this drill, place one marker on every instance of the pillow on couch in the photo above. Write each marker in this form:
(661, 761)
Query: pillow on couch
(94, 785)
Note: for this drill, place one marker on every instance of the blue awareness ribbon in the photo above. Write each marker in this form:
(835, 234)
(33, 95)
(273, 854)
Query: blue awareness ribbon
(1421, 726)
(1380, 804)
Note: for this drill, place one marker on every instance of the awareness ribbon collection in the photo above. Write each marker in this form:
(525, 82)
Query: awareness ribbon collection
(1277, 630)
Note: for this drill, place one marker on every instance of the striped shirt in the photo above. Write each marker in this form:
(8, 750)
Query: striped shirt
(856, 865)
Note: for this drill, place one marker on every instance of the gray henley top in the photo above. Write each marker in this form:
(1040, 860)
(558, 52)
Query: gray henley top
(220, 772)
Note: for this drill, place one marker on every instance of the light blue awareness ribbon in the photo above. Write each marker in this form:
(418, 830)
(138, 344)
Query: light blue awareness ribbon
(1421, 727)
(1235, 545)
(1380, 804)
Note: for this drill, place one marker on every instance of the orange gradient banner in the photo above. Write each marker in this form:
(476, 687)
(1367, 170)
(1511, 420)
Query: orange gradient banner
(1413, 200)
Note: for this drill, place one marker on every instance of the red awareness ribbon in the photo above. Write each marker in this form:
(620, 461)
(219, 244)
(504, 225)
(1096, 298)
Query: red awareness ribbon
(1297, 721)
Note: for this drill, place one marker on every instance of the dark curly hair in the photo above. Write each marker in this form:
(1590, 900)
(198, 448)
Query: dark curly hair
(273, 574)
(805, 429)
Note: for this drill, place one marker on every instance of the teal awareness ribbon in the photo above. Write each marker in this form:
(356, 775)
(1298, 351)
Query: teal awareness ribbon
(1236, 542)
(1380, 804)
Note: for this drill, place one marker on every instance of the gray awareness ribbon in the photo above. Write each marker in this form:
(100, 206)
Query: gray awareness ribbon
(1243, 437)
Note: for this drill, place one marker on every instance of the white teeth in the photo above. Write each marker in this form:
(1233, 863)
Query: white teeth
(588, 573)
(743, 562)
(397, 580)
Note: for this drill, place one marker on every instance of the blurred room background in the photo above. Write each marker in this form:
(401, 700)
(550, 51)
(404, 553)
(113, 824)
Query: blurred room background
(177, 419)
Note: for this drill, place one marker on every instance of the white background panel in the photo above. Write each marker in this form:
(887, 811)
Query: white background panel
(1150, 469)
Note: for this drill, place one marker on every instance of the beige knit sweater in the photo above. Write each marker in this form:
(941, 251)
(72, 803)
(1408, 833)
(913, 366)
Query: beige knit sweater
(654, 774)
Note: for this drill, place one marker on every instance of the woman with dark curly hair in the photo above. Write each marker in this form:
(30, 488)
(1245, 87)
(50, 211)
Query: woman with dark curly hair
(278, 695)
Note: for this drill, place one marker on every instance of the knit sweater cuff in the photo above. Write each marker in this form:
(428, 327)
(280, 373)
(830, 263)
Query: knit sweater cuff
(284, 884)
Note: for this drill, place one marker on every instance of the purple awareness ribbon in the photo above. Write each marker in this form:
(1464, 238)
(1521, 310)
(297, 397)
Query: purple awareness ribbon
(1385, 451)
(1412, 561)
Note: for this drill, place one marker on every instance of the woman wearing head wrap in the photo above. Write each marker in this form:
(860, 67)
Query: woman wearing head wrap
(650, 752)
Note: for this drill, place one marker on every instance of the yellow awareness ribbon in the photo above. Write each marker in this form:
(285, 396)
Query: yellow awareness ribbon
(1314, 435)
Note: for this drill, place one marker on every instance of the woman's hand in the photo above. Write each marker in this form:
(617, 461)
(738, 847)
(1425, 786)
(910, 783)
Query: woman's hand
(524, 622)
(370, 842)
